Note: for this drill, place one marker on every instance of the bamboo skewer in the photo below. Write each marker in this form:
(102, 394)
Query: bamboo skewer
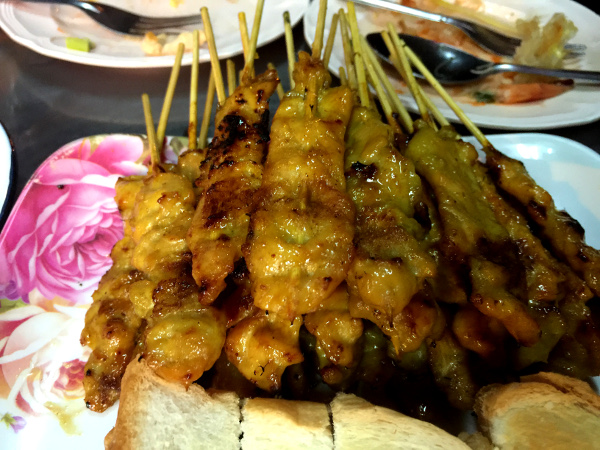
(231, 76)
(317, 46)
(330, 40)
(244, 33)
(151, 134)
(210, 98)
(407, 75)
(214, 57)
(289, 46)
(193, 121)
(403, 114)
(249, 64)
(363, 88)
(347, 50)
(166, 109)
(475, 131)
(343, 77)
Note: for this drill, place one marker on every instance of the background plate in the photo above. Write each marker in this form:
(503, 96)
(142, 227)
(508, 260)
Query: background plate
(44, 27)
(577, 106)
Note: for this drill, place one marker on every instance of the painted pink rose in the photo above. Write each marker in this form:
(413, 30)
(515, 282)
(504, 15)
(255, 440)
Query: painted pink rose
(59, 236)
(41, 359)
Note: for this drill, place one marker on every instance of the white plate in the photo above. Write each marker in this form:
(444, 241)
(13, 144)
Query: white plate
(51, 256)
(44, 27)
(5, 168)
(577, 106)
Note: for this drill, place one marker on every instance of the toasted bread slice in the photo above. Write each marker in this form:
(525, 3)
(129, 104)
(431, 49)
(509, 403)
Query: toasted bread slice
(156, 414)
(285, 424)
(358, 424)
(544, 411)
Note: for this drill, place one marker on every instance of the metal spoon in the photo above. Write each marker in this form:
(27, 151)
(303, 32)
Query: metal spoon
(453, 66)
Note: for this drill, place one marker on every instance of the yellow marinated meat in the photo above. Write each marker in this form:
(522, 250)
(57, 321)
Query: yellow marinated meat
(111, 322)
(491, 297)
(162, 216)
(232, 173)
(450, 368)
(447, 165)
(391, 263)
(300, 241)
(183, 339)
(565, 234)
(336, 331)
(479, 333)
(189, 165)
(263, 346)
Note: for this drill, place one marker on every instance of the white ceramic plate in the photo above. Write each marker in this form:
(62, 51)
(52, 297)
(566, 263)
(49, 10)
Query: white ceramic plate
(577, 106)
(5, 169)
(55, 247)
(44, 27)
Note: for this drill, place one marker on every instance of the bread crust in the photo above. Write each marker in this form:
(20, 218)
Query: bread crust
(544, 410)
(157, 414)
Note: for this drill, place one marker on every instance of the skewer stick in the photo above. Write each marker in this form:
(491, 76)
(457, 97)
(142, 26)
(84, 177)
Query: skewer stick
(210, 98)
(244, 33)
(409, 77)
(289, 46)
(343, 77)
(231, 76)
(330, 40)
(317, 46)
(151, 133)
(347, 50)
(363, 88)
(475, 131)
(434, 109)
(428, 102)
(280, 91)
(403, 114)
(249, 66)
(193, 122)
(383, 98)
(214, 57)
(166, 109)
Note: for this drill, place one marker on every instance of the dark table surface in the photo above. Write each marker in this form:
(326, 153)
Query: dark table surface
(46, 103)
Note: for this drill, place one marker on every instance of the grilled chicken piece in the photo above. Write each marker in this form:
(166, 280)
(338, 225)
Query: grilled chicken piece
(183, 339)
(337, 334)
(565, 234)
(391, 264)
(232, 173)
(111, 323)
(263, 346)
(473, 235)
(300, 241)
(162, 216)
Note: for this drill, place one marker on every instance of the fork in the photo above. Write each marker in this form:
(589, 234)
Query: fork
(487, 38)
(126, 22)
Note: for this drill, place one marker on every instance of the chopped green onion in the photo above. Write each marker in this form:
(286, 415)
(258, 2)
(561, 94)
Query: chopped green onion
(79, 44)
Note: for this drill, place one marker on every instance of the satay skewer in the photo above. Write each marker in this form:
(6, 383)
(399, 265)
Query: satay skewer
(330, 39)
(214, 58)
(193, 119)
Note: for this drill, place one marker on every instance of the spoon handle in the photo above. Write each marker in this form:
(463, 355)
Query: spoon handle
(561, 73)
(401, 9)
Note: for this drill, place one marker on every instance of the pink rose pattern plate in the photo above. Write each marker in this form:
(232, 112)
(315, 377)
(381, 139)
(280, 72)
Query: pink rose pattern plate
(56, 245)
(54, 248)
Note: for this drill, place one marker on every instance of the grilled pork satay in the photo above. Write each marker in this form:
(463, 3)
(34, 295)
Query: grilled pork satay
(337, 335)
(565, 234)
(472, 234)
(263, 346)
(300, 244)
(182, 338)
(391, 264)
(233, 168)
(111, 323)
